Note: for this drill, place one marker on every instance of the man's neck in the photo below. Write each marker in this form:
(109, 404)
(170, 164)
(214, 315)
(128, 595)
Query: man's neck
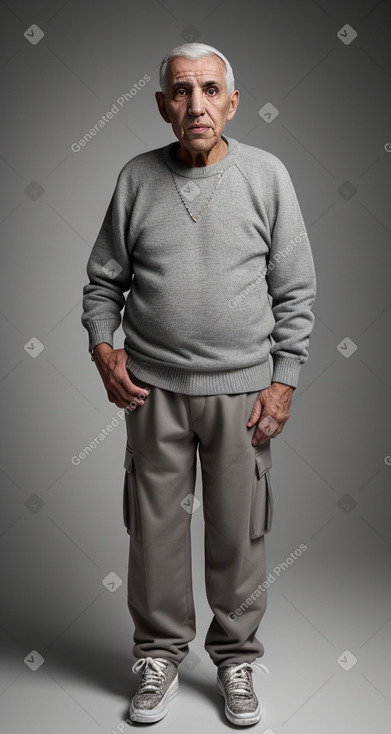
(201, 159)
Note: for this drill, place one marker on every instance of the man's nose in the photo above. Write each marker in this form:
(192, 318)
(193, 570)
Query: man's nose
(196, 103)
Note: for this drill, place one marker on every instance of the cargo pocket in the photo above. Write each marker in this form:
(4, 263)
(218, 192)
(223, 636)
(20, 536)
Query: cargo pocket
(262, 499)
(130, 500)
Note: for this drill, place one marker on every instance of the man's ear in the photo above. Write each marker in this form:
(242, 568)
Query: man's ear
(161, 103)
(234, 102)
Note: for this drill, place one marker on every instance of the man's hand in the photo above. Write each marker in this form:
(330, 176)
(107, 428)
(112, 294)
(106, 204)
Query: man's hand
(111, 364)
(271, 410)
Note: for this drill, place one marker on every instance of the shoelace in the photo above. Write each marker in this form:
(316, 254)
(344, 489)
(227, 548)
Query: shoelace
(239, 683)
(154, 673)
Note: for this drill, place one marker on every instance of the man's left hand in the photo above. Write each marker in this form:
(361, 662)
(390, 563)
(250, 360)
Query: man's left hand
(271, 410)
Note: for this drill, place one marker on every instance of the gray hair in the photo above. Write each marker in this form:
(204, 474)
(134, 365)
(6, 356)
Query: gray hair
(195, 51)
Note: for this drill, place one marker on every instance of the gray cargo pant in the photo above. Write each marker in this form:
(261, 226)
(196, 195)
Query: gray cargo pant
(160, 462)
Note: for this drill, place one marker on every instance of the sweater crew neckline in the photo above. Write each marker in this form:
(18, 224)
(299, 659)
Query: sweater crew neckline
(183, 169)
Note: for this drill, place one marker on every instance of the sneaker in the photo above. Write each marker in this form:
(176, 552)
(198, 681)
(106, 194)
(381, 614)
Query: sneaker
(158, 685)
(236, 686)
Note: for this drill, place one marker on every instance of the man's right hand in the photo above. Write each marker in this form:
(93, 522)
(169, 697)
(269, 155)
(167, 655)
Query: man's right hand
(111, 364)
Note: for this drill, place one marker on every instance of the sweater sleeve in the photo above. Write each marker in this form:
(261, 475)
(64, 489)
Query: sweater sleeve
(291, 282)
(109, 269)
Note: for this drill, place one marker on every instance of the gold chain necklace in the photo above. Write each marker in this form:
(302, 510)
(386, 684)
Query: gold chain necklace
(196, 216)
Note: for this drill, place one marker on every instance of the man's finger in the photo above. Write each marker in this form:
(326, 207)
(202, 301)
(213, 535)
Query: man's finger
(259, 438)
(269, 425)
(255, 413)
(126, 394)
(132, 387)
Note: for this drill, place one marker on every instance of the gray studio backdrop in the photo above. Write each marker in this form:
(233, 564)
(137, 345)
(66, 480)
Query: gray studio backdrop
(322, 69)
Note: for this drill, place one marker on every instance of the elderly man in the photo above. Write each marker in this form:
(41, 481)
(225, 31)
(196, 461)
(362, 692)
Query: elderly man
(202, 231)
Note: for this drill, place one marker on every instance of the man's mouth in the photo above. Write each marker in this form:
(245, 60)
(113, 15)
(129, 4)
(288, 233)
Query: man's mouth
(199, 127)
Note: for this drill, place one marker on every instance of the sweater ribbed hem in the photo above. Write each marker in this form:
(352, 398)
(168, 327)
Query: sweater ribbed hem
(168, 377)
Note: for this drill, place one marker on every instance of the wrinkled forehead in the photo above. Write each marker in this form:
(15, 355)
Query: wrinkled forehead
(180, 68)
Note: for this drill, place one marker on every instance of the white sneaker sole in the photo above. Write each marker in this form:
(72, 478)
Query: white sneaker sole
(146, 716)
(240, 719)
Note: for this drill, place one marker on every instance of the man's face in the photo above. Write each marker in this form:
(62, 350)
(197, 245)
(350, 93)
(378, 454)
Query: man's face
(197, 96)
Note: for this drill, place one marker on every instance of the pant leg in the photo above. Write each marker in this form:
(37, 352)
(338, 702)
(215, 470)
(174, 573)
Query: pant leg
(160, 473)
(238, 506)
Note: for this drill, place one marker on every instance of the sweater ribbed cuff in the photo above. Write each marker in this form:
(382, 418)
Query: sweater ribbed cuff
(286, 370)
(100, 331)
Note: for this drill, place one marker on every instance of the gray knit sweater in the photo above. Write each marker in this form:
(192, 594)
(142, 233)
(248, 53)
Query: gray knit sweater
(209, 300)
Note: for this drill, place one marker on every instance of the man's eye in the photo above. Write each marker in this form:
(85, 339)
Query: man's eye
(210, 89)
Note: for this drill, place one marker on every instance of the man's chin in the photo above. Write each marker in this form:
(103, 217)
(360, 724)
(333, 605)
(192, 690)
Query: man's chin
(203, 140)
